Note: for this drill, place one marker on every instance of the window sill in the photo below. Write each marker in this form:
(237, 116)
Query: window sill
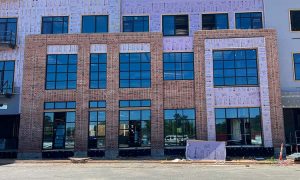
(172, 36)
(134, 148)
(178, 79)
(244, 86)
(244, 146)
(54, 150)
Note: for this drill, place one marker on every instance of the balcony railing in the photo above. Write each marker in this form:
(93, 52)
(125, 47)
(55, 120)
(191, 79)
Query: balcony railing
(8, 38)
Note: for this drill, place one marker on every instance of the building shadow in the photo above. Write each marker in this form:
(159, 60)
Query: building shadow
(4, 162)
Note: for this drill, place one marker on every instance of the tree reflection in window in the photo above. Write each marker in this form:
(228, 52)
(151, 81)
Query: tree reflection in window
(179, 126)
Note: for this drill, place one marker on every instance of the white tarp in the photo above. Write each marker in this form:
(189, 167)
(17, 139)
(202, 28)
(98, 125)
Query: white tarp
(205, 150)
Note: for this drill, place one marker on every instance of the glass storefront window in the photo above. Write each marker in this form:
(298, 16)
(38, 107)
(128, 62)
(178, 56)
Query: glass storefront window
(135, 126)
(239, 126)
(179, 126)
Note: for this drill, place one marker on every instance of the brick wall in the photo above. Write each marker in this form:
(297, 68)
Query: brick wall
(34, 93)
(163, 94)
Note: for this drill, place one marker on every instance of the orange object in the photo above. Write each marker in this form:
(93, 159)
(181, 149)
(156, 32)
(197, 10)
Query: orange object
(281, 151)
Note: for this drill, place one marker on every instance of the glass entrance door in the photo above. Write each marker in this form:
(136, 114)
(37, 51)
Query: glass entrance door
(59, 131)
(238, 131)
(135, 134)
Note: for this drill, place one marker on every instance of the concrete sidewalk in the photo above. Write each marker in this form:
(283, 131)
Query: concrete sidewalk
(137, 170)
(176, 161)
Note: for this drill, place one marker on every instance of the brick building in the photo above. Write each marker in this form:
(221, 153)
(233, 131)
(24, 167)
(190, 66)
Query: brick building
(117, 78)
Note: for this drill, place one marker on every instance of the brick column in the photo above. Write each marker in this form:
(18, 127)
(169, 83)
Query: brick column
(157, 106)
(200, 93)
(82, 98)
(112, 100)
(278, 134)
(31, 123)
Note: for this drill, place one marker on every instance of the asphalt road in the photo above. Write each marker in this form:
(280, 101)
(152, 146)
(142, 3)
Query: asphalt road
(145, 171)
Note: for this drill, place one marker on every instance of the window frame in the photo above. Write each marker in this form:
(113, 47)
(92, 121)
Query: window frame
(95, 16)
(97, 101)
(237, 85)
(55, 73)
(98, 72)
(97, 110)
(141, 101)
(164, 124)
(290, 20)
(54, 111)
(2, 72)
(249, 118)
(6, 25)
(68, 26)
(215, 14)
(175, 15)
(129, 109)
(294, 66)
(129, 71)
(181, 62)
(134, 21)
(56, 102)
(249, 12)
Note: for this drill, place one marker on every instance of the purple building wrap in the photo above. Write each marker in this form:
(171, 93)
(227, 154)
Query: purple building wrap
(205, 150)
(194, 8)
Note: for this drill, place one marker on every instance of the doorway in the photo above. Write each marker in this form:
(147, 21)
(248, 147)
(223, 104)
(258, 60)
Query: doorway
(291, 124)
(135, 134)
(9, 132)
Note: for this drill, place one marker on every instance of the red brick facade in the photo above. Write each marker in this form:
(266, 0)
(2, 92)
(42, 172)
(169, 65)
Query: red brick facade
(163, 94)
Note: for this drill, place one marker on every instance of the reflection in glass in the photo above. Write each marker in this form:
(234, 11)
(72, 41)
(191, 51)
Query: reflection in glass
(59, 130)
(135, 128)
(97, 129)
(179, 126)
(239, 126)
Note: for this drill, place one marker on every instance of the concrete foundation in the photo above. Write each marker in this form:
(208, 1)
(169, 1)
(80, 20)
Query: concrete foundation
(27, 156)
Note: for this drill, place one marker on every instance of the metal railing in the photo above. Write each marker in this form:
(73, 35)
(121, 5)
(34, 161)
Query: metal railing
(8, 38)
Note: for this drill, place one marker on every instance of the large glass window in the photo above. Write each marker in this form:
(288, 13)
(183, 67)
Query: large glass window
(251, 20)
(136, 24)
(55, 25)
(239, 126)
(297, 66)
(135, 128)
(61, 72)
(214, 21)
(95, 24)
(295, 20)
(235, 68)
(59, 125)
(135, 70)
(8, 29)
(98, 71)
(7, 69)
(177, 25)
(97, 125)
(179, 126)
(178, 66)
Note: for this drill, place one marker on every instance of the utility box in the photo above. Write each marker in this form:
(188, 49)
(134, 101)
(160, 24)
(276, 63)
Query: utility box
(205, 150)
